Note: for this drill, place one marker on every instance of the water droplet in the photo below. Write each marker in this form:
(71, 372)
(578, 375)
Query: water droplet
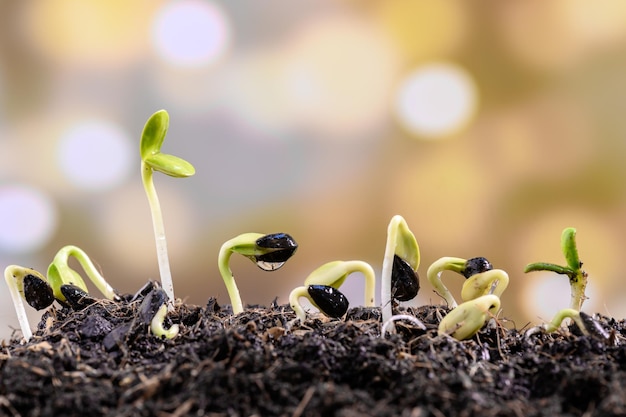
(268, 266)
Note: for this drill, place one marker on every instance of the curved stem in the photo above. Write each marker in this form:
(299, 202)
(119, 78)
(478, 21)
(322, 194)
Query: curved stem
(494, 281)
(159, 233)
(294, 301)
(370, 279)
(90, 269)
(11, 274)
(434, 276)
(223, 262)
(397, 317)
(156, 325)
(562, 315)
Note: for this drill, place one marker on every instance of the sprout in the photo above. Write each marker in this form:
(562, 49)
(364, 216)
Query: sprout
(156, 325)
(402, 258)
(60, 273)
(467, 268)
(493, 282)
(16, 276)
(269, 252)
(394, 318)
(587, 325)
(321, 288)
(577, 277)
(468, 318)
(153, 160)
(153, 310)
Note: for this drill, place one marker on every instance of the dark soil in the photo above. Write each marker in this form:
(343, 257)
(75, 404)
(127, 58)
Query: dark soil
(103, 361)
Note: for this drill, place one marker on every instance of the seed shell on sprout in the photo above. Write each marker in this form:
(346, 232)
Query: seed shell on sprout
(151, 304)
(476, 266)
(37, 292)
(593, 327)
(405, 282)
(329, 300)
(76, 297)
(284, 247)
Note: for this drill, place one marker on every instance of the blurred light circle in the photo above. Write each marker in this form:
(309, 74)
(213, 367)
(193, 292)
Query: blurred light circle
(28, 218)
(98, 33)
(190, 33)
(338, 76)
(436, 100)
(95, 155)
(546, 293)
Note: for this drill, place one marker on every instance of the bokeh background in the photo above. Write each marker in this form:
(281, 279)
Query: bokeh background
(490, 126)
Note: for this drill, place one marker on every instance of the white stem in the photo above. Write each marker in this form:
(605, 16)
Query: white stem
(385, 280)
(294, 301)
(223, 261)
(397, 317)
(17, 301)
(159, 234)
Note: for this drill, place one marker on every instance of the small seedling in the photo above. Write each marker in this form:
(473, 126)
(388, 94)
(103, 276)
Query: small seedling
(399, 273)
(17, 277)
(321, 288)
(466, 267)
(63, 284)
(577, 277)
(587, 325)
(153, 310)
(152, 160)
(494, 281)
(465, 320)
(268, 252)
(414, 320)
(60, 273)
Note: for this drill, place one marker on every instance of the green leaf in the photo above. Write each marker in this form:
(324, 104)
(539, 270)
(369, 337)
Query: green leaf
(153, 134)
(543, 266)
(170, 165)
(406, 244)
(568, 246)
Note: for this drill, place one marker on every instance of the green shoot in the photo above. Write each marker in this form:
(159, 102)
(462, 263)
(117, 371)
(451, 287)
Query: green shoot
(156, 325)
(465, 320)
(60, 273)
(268, 252)
(573, 270)
(466, 267)
(587, 325)
(332, 274)
(152, 160)
(401, 243)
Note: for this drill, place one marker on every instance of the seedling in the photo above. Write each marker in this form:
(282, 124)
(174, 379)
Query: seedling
(321, 288)
(577, 277)
(414, 320)
(152, 160)
(60, 273)
(17, 277)
(402, 258)
(587, 325)
(153, 310)
(63, 284)
(466, 267)
(268, 252)
(465, 320)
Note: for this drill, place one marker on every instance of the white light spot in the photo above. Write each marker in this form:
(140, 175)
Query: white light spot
(95, 155)
(436, 100)
(27, 219)
(190, 33)
(546, 293)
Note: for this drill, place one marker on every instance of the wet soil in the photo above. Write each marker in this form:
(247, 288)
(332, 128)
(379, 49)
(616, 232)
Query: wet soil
(103, 361)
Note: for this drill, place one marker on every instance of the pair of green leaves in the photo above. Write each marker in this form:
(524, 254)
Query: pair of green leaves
(573, 270)
(150, 148)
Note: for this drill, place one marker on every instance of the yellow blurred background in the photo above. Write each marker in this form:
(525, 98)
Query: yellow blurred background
(490, 126)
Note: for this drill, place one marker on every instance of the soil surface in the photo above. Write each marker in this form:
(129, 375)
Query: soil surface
(103, 361)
